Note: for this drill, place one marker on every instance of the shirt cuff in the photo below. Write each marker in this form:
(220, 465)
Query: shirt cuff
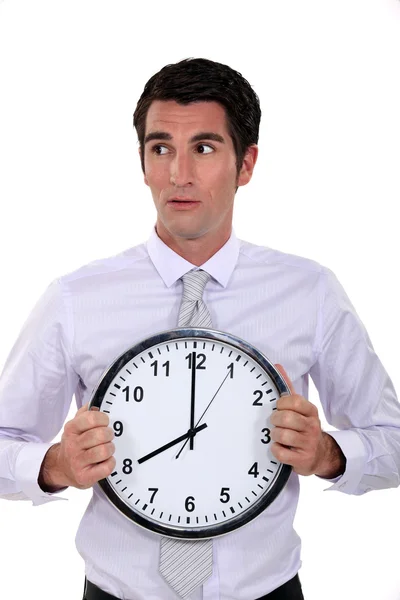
(27, 468)
(354, 450)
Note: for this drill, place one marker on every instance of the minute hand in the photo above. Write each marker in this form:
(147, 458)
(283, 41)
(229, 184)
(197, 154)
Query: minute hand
(209, 404)
(192, 397)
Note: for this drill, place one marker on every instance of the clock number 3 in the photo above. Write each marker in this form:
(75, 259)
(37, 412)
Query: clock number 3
(267, 435)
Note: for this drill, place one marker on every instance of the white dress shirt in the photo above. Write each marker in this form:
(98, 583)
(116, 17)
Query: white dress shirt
(291, 308)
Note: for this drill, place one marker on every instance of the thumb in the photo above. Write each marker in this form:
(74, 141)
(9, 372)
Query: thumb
(85, 408)
(286, 378)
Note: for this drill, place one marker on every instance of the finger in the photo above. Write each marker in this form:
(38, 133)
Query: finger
(289, 438)
(96, 437)
(99, 454)
(286, 378)
(289, 419)
(87, 420)
(85, 408)
(101, 470)
(284, 454)
(297, 404)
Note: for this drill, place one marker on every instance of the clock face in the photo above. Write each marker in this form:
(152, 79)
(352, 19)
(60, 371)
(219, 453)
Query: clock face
(190, 411)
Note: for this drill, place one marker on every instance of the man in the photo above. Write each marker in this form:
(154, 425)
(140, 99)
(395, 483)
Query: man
(197, 123)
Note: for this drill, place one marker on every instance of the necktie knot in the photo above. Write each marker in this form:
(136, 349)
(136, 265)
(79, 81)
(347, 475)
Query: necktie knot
(194, 311)
(194, 283)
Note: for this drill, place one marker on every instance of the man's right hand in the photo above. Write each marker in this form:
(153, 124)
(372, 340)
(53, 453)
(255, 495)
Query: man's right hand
(84, 455)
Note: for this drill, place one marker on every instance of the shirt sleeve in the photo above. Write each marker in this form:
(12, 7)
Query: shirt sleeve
(36, 388)
(356, 394)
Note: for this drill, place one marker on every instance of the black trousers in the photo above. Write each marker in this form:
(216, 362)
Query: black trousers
(291, 590)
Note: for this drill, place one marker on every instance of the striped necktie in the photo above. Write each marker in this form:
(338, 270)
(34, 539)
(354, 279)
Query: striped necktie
(194, 311)
(186, 564)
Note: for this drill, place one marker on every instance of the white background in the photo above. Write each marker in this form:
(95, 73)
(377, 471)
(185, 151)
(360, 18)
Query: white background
(326, 186)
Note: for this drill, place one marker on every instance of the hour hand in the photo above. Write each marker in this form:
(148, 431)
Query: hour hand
(189, 434)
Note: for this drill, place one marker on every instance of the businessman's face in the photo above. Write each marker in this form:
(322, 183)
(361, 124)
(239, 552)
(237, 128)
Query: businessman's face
(190, 167)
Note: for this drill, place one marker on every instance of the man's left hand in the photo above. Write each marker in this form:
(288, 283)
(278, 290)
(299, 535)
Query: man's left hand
(299, 440)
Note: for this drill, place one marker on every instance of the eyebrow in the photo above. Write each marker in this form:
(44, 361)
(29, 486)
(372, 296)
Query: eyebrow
(203, 135)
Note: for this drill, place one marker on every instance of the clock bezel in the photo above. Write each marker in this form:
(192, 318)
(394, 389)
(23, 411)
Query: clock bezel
(282, 474)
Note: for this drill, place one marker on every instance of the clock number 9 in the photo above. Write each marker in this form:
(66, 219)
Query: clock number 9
(189, 504)
(267, 435)
(118, 428)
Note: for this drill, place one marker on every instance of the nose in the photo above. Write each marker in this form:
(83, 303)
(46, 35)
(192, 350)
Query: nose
(181, 170)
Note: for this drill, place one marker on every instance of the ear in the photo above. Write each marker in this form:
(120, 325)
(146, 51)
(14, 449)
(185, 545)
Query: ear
(249, 161)
(140, 155)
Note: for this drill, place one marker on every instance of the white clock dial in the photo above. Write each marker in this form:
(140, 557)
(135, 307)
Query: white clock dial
(190, 411)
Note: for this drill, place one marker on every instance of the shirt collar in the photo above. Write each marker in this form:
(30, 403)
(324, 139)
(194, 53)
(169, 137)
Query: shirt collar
(171, 266)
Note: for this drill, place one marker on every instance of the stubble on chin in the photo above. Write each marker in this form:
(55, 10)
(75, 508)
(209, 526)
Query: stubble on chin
(181, 231)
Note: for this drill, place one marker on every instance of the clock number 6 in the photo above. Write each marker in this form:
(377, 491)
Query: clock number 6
(267, 435)
(189, 504)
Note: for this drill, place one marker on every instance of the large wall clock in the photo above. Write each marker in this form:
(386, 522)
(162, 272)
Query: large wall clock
(190, 410)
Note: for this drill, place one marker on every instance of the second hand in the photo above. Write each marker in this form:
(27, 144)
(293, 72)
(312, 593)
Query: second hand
(209, 404)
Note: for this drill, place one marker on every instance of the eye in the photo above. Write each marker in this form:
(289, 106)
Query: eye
(204, 151)
(157, 149)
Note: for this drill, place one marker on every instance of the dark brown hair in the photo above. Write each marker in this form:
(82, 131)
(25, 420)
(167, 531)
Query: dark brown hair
(203, 80)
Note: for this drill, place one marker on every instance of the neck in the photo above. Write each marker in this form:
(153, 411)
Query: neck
(197, 251)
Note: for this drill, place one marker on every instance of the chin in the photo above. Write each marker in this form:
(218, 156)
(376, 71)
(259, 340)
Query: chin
(188, 233)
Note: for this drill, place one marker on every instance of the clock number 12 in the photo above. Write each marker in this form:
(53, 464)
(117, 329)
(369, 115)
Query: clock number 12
(199, 360)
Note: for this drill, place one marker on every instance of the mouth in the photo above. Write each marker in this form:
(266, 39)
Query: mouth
(181, 199)
(182, 202)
